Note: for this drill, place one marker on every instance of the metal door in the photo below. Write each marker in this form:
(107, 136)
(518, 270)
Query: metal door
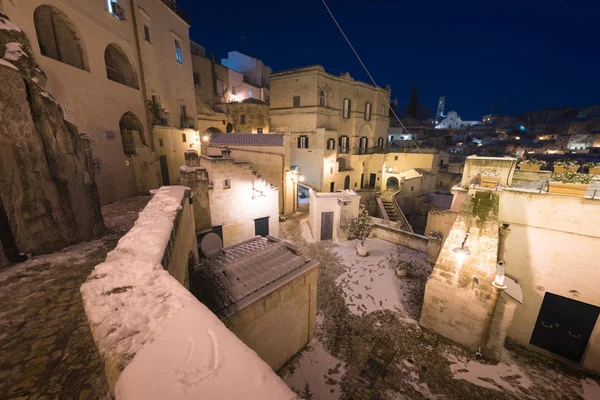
(261, 226)
(164, 169)
(327, 225)
(372, 179)
(564, 326)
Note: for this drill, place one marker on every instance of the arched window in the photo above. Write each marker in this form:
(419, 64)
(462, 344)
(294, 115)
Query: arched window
(132, 133)
(322, 98)
(57, 36)
(118, 67)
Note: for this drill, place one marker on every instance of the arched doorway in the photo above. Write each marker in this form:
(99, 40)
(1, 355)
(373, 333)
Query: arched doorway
(58, 37)
(132, 133)
(347, 183)
(392, 183)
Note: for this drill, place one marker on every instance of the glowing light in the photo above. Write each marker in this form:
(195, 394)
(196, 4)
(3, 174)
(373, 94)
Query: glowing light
(206, 138)
(390, 169)
(301, 178)
(461, 254)
(518, 137)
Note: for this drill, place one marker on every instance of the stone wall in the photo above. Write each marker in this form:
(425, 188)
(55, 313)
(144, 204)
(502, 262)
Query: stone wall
(153, 335)
(388, 232)
(47, 186)
(459, 296)
(504, 167)
(256, 116)
(345, 207)
(259, 324)
(196, 178)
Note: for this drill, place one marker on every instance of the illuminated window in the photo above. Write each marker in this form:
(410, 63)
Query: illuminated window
(330, 144)
(178, 54)
(368, 111)
(303, 142)
(227, 184)
(116, 9)
(296, 103)
(249, 93)
(343, 144)
(347, 106)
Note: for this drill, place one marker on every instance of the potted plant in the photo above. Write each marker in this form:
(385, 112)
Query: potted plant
(489, 178)
(562, 166)
(593, 168)
(532, 164)
(570, 183)
(402, 268)
(360, 228)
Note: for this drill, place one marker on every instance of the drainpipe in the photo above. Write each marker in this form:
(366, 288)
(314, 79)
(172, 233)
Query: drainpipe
(142, 74)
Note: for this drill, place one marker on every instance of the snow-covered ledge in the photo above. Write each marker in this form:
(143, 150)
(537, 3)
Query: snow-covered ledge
(156, 340)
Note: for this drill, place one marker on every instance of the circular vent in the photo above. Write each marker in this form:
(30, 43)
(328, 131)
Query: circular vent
(211, 245)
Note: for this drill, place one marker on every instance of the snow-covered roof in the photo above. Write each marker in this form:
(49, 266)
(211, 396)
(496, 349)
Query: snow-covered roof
(246, 139)
(156, 339)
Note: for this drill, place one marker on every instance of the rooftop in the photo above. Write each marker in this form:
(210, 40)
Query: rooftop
(256, 267)
(246, 139)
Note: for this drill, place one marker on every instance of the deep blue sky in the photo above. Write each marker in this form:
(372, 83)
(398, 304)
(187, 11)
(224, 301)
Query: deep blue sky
(516, 56)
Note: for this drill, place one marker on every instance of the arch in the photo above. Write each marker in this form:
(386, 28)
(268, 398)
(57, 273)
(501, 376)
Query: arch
(322, 97)
(212, 129)
(347, 182)
(132, 133)
(58, 37)
(118, 67)
(392, 183)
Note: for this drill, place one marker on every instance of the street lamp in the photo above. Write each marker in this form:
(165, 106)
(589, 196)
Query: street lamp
(463, 251)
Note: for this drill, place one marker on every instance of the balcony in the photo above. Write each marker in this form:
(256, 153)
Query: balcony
(172, 4)
(160, 118)
(369, 150)
(343, 150)
(187, 123)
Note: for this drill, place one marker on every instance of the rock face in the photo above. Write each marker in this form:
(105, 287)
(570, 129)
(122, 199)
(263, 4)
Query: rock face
(48, 192)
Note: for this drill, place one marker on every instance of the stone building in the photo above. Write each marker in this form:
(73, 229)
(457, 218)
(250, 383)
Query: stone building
(335, 124)
(111, 68)
(517, 264)
(248, 77)
(330, 214)
(272, 291)
(453, 120)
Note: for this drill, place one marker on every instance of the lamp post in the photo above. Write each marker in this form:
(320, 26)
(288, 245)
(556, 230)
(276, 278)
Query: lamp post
(463, 251)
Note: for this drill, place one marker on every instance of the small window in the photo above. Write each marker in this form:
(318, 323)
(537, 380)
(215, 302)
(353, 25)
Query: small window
(183, 138)
(178, 54)
(296, 101)
(249, 93)
(303, 142)
(226, 183)
(383, 110)
(380, 142)
(161, 143)
(330, 144)
(395, 158)
(147, 34)
(116, 9)
(343, 144)
(368, 111)
(197, 78)
(322, 98)
(243, 119)
(258, 130)
(183, 115)
(347, 106)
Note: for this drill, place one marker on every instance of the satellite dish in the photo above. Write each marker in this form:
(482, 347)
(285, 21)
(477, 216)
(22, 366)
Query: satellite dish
(211, 245)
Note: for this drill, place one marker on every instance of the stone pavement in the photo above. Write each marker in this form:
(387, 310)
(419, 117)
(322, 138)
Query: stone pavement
(46, 347)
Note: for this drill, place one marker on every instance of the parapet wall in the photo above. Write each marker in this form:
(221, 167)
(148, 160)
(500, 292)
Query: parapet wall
(392, 234)
(156, 339)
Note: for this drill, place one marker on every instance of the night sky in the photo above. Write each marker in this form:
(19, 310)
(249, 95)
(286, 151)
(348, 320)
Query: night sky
(513, 56)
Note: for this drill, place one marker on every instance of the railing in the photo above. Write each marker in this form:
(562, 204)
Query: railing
(172, 4)
(187, 123)
(343, 150)
(369, 150)
(160, 118)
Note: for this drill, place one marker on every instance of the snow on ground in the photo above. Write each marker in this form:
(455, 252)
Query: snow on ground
(506, 375)
(318, 368)
(306, 232)
(370, 283)
(13, 51)
(591, 389)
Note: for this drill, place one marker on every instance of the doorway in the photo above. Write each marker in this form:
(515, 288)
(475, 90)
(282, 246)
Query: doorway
(9, 244)
(347, 183)
(564, 326)
(332, 187)
(362, 180)
(164, 170)
(327, 225)
(372, 180)
(261, 226)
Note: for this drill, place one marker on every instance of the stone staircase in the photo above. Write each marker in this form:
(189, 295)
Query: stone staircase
(390, 210)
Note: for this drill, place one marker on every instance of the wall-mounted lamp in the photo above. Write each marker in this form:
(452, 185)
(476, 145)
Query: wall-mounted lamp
(206, 138)
(463, 251)
(260, 193)
(301, 178)
(499, 281)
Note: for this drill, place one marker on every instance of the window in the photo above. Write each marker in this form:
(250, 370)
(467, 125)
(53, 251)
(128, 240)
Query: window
(259, 130)
(412, 188)
(330, 144)
(322, 98)
(243, 119)
(161, 143)
(303, 142)
(383, 110)
(347, 106)
(116, 9)
(331, 170)
(178, 54)
(249, 93)
(296, 101)
(118, 67)
(395, 158)
(147, 34)
(343, 144)
(183, 138)
(368, 111)
(197, 79)
(183, 115)
(58, 37)
(363, 144)
(332, 187)
(380, 142)
(227, 184)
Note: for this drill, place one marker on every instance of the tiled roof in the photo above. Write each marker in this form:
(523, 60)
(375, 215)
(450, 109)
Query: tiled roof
(258, 264)
(246, 139)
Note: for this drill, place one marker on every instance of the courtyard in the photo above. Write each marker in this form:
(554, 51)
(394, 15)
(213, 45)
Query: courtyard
(368, 344)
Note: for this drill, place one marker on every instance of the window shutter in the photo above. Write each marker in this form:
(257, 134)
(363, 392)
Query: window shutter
(306, 142)
(299, 139)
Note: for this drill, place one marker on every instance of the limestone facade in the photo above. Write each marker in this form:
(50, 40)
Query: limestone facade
(249, 116)
(239, 196)
(343, 205)
(104, 69)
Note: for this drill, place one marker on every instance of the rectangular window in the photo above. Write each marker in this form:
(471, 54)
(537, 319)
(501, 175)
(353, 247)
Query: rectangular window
(343, 145)
(155, 100)
(249, 93)
(161, 143)
(347, 105)
(296, 101)
(383, 110)
(197, 79)
(243, 119)
(178, 54)
(303, 142)
(183, 138)
(183, 111)
(116, 9)
(226, 183)
(147, 34)
(368, 111)
(330, 144)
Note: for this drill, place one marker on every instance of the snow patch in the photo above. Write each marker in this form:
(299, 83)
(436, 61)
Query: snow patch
(185, 168)
(306, 232)
(7, 25)
(590, 388)
(8, 64)
(13, 51)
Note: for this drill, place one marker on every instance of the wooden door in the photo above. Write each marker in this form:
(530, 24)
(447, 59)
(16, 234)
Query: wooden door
(261, 226)
(327, 225)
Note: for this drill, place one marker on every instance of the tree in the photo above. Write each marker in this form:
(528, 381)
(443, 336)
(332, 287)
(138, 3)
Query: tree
(361, 226)
(307, 393)
(413, 104)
